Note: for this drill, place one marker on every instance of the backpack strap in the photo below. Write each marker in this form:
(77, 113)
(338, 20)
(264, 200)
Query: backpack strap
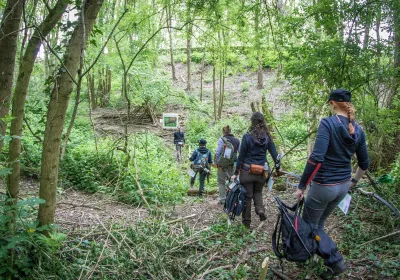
(274, 239)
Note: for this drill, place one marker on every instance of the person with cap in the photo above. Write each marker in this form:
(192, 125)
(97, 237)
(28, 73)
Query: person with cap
(252, 163)
(202, 161)
(328, 169)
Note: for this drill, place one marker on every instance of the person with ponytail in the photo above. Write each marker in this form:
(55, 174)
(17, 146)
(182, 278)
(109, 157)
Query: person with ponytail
(251, 165)
(328, 169)
(227, 140)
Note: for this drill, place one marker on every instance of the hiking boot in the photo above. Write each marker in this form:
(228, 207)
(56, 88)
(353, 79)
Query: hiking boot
(246, 225)
(262, 216)
(334, 270)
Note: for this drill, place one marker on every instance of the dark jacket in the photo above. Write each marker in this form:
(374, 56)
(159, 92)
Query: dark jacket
(254, 151)
(202, 150)
(179, 137)
(333, 150)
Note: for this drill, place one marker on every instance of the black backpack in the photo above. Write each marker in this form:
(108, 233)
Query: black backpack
(293, 238)
(235, 201)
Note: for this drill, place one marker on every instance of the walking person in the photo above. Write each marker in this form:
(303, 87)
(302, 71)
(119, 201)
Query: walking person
(179, 141)
(202, 161)
(328, 169)
(251, 163)
(225, 159)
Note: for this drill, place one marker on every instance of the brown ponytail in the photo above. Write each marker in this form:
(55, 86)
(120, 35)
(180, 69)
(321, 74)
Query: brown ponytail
(351, 112)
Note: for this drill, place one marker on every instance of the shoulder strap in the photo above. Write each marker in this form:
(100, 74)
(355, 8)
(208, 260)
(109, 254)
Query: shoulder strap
(275, 240)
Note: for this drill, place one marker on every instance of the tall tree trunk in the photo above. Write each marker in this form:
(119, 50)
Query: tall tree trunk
(188, 55)
(377, 31)
(10, 22)
(57, 108)
(260, 77)
(188, 47)
(367, 28)
(108, 88)
(214, 89)
(201, 76)
(92, 92)
(395, 6)
(171, 46)
(21, 91)
(221, 75)
(100, 88)
(366, 37)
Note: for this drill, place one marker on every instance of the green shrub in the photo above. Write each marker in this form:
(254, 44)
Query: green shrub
(106, 170)
(24, 240)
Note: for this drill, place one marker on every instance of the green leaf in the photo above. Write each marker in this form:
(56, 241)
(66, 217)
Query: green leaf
(31, 201)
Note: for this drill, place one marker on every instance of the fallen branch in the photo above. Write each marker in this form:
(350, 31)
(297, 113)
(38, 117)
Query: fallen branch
(79, 205)
(208, 271)
(379, 238)
(280, 275)
(140, 190)
(181, 219)
(93, 269)
(258, 250)
(257, 228)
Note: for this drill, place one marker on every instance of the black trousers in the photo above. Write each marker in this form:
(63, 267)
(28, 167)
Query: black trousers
(202, 179)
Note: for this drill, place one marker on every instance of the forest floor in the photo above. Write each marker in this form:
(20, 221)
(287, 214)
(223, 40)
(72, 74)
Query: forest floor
(81, 214)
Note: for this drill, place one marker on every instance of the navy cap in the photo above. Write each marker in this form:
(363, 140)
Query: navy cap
(340, 95)
(202, 141)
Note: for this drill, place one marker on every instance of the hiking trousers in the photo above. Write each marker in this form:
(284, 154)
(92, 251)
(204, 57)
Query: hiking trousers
(254, 185)
(321, 200)
(221, 183)
(202, 179)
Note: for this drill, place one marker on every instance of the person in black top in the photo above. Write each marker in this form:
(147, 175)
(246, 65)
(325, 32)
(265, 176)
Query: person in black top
(202, 161)
(251, 162)
(179, 141)
(328, 168)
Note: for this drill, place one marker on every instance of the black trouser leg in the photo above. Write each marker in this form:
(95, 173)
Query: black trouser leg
(202, 179)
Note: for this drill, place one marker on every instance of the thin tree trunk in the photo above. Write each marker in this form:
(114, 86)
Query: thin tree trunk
(57, 108)
(92, 92)
(260, 78)
(188, 54)
(201, 76)
(171, 46)
(367, 29)
(21, 91)
(214, 89)
(221, 94)
(395, 6)
(100, 88)
(378, 34)
(108, 91)
(74, 112)
(10, 22)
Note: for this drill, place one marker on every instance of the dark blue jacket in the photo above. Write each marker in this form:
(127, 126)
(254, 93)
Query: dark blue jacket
(201, 150)
(333, 149)
(179, 137)
(254, 151)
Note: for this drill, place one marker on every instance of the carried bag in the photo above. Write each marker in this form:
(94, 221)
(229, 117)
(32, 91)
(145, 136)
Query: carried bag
(293, 238)
(227, 157)
(235, 200)
(201, 161)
